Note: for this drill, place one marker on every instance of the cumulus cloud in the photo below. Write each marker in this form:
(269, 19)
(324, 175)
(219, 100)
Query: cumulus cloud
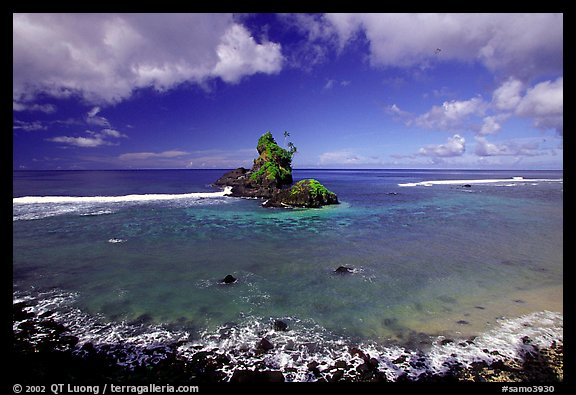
(524, 45)
(543, 103)
(507, 96)
(452, 115)
(105, 57)
(490, 125)
(455, 146)
(240, 55)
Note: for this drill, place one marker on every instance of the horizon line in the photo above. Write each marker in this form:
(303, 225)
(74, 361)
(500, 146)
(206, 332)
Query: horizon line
(300, 168)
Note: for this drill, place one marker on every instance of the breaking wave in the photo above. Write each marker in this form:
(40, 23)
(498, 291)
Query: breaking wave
(37, 207)
(482, 181)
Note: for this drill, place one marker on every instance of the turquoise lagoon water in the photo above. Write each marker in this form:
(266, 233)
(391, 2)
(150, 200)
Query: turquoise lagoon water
(144, 252)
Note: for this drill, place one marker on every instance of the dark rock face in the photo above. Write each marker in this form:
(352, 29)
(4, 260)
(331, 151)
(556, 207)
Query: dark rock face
(232, 178)
(343, 270)
(229, 279)
(270, 177)
(264, 345)
(280, 326)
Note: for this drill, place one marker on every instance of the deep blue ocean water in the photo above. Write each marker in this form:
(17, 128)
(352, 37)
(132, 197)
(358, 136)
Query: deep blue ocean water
(143, 252)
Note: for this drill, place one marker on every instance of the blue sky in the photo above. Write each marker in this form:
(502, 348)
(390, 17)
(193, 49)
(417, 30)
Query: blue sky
(127, 91)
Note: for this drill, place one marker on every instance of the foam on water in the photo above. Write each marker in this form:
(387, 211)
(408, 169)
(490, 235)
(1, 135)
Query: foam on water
(38, 207)
(304, 342)
(119, 199)
(522, 180)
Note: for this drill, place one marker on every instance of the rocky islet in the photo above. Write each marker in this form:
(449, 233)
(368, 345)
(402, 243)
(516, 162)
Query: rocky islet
(271, 178)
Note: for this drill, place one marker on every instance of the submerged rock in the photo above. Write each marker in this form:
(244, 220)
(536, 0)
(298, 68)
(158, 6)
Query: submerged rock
(343, 270)
(229, 279)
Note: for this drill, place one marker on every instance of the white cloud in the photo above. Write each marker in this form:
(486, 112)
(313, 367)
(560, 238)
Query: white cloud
(524, 45)
(542, 103)
(92, 113)
(45, 108)
(136, 156)
(455, 146)
(347, 157)
(330, 84)
(507, 96)
(28, 126)
(111, 133)
(175, 158)
(452, 115)
(105, 57)
(96, 139)
(239, 55)
(519, 147)
(83, 142)
(490, 125)
(545, 104)
(93, 119)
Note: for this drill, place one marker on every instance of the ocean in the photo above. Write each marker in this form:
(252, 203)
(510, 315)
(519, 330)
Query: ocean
(437, 257)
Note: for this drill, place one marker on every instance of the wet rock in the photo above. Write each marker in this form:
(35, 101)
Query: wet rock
(234, 177)
(18, 312)
(336, 376)
(401, 359)
(462, 322)
(229, 279)
(264, 345)
(356, 351)
(343, 270)
(446, 341)
(280, 326)
(340, 364)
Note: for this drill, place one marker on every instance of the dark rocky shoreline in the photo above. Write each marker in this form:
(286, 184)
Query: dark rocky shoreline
(44, 351)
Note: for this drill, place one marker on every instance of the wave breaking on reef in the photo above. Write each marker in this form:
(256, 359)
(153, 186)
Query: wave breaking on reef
(481, 181)
(301, 350)
(37, 207)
